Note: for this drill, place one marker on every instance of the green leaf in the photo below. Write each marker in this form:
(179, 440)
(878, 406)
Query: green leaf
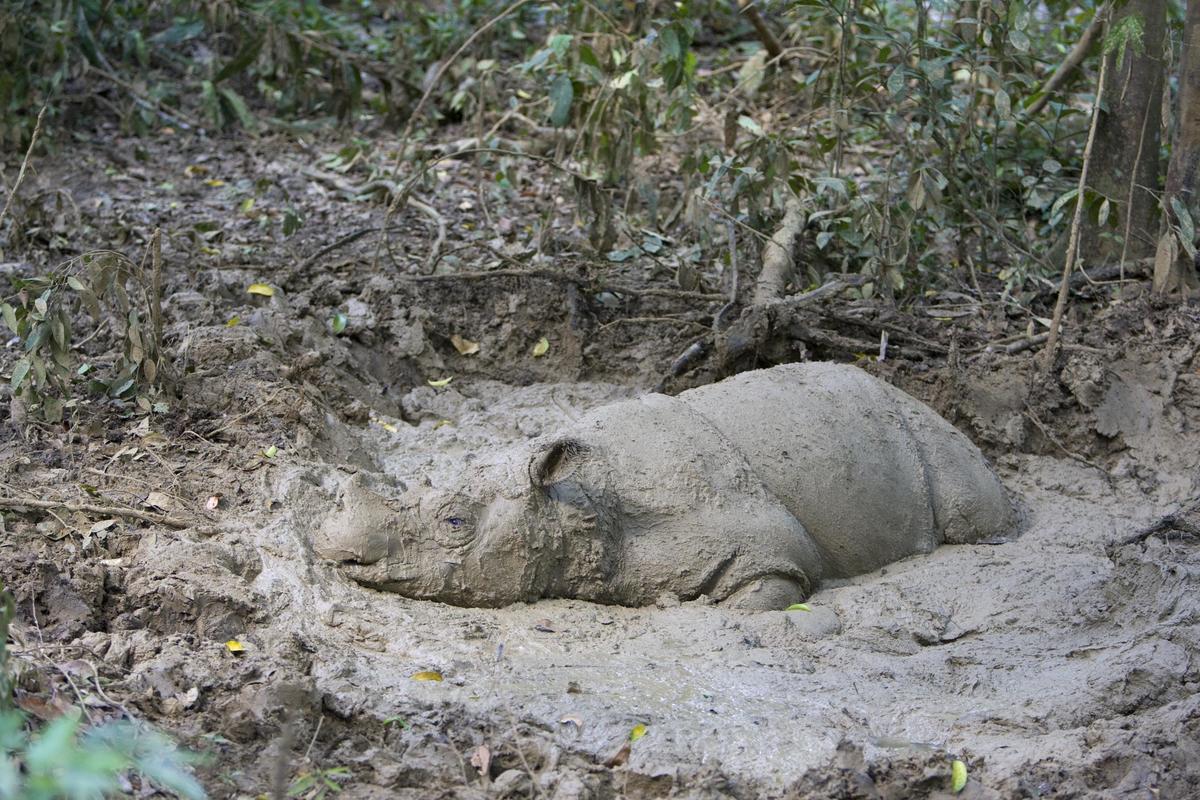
(1019, 40)
(244, 58)
(238, 106)
(562, 93)
(337, 322)
(20, 372)
(10, 316)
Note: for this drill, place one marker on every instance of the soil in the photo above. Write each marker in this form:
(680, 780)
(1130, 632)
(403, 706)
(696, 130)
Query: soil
(1060, 662)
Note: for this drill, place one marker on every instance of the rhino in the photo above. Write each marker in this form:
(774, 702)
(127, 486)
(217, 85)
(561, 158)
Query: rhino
(750, 492)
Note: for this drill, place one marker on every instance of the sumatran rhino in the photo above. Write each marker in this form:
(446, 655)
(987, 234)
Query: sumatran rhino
(750, 491)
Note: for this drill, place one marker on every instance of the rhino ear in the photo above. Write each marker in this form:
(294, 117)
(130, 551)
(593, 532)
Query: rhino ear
(556, 462)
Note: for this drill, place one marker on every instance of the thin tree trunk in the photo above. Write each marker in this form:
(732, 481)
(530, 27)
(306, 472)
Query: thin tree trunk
(1126, 167)
(1174, 272)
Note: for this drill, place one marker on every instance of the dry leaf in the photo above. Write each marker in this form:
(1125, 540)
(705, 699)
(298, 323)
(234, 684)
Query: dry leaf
(464, 347)
(620, 757)
(482, 759)
(571, 719)
(212, 502)
(427, 675)
(262, 289)
(158, 500)
(544, 625)
(214, 182)
(440, 423)
(541, 348)
(102, 525)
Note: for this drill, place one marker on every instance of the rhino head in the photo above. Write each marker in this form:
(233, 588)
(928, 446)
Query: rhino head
(527, 523)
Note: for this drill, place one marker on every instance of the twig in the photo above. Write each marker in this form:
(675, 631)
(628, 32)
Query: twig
(731, 235)
(37, 129)
(765, 35)
(1073, 60)
(1033, 417)
(370, 187)
(14, 503)
(437, 76)
(1027, 343)
(547, 274)
(1076, 225)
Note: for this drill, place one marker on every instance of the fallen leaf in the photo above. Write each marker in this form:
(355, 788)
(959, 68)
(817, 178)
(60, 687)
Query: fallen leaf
(389, 427)
(440, 423)
(337, 323)
(544, 625)
(620, 757)
(481, 759)
(427, 675)
(192, 170)
(798, 607)
(637, 732)
(102, 525)
(212, 502)
(465, 347)
(158, 500)
(541, 348)
(958, 776)
(233, 321)
(440, 383)
(214, 182)
(571, 719)
(262, 289)
(234, 646)
(271, 451)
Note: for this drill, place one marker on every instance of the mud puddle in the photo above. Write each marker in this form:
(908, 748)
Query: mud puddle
(1059, 645)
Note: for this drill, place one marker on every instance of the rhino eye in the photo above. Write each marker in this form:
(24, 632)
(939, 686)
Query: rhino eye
(455, 522)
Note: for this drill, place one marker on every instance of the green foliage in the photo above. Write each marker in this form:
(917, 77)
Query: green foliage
(58, 762)
(298, 59)
(317, 784)
(96, 287)
(61, 761)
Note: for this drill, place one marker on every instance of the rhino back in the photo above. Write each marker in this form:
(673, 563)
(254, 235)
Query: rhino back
(872, 474)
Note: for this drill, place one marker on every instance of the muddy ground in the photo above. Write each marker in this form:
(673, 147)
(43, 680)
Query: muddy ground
(1060, 662)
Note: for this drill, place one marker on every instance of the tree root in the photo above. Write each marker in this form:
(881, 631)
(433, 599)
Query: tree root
(18, 503)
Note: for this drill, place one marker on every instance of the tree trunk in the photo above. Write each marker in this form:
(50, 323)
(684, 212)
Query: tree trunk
(1128, 139)
(1174, 270)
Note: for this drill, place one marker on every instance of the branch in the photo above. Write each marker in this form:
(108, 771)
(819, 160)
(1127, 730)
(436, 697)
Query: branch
(1073, 60)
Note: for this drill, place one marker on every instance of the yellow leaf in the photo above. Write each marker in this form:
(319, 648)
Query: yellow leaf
(440, 383)
(427, 675)
(234, 646)
(247, 206)
(638, 732)
(389, 427)
(440, 423)
(958, 776)
(465, 347)
(271, 451)
(261, 288)
(192, 170)
(541, 348)
(798, 607)
(214, 182)
(233, 321)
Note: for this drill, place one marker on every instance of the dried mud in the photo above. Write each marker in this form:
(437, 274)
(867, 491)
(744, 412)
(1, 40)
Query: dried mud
(1061, 662)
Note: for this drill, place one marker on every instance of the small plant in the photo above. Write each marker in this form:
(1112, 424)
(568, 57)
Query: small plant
(46, 375)
(60, 761)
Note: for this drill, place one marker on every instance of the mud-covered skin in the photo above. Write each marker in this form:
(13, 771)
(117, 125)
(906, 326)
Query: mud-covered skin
(750, 491)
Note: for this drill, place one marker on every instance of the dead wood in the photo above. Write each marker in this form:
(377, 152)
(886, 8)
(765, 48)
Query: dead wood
(778, 255)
